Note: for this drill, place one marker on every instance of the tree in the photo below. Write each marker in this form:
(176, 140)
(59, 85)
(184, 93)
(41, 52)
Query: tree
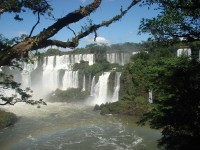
(14, 50)
(177, 19)
(175, 81)
(43, 40)
(176, 109)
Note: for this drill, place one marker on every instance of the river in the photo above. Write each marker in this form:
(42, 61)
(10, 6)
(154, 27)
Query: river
(62, 126)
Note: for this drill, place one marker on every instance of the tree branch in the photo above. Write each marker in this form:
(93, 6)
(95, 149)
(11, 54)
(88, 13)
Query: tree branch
(72, 30)
(42, 39)
(31, 43)
(93, 28)
(74, 42)
(38, 21)
(68, 19)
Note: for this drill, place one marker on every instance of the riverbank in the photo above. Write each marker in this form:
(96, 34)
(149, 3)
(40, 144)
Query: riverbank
(7, 119)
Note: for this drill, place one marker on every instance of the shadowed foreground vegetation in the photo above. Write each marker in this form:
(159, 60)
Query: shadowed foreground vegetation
(6, 119)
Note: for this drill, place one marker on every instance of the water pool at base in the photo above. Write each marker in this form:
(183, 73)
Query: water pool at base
(61, 126)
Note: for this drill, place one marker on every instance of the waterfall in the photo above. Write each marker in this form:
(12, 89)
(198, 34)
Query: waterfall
(85, 57)
(83, 89)
(27, 68)
(89, 83)
(52, 72)
(52, 66)
(184, 51)
(92, 91)
(63, 62)
(50, 77)
(70, 80)
(150, 96)
(115, 95)
(119, 58)
(26, 79)
(101, 89)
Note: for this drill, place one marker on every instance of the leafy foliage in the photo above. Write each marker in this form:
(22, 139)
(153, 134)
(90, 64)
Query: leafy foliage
(16, 93)
(176, 87)
(175, 81)
(125, 107)
(177, 19)
(6, 119)
(70, 95)
(18, 6)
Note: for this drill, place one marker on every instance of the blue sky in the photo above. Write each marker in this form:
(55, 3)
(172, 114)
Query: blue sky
(122, 31)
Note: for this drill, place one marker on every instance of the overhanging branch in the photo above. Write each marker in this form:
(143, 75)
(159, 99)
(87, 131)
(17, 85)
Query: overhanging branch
(38, 21)
(93, 28)
(43, 40)
(74, 42)
(68, 19)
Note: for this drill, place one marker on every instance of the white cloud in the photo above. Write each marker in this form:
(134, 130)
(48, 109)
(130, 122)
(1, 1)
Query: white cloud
(99, 40)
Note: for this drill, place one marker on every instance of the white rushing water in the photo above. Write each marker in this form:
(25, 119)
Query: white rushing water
(51, 67)
(83, 89)
(26, 73)
(70, 80)
(92, 89)
(62, 126)
(55, 72)
(115, 95)
(49, 74)
(119, 58)
(101, 89)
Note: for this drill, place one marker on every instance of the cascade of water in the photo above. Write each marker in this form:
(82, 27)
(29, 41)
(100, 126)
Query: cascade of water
(92, 90)
(50, 74)
(85, 57)
(119, 58)
(150, 96)
(90, 58)
(123, 59)
(67, 61)
(101, 89)
(83, 89)
(26, 79)
(63, 62)
(27, 68)
(184, 51)
(89, 83)
(51, 67)
(115, 95)
(111, 57)
(70, 80)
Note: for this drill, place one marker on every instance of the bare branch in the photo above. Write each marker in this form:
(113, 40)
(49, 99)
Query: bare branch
(93, 28)
(2, 104)
(95, 35)
(38, 21)
(72, 30)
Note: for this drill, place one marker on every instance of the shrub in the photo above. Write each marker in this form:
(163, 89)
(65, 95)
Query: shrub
(7, 119)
